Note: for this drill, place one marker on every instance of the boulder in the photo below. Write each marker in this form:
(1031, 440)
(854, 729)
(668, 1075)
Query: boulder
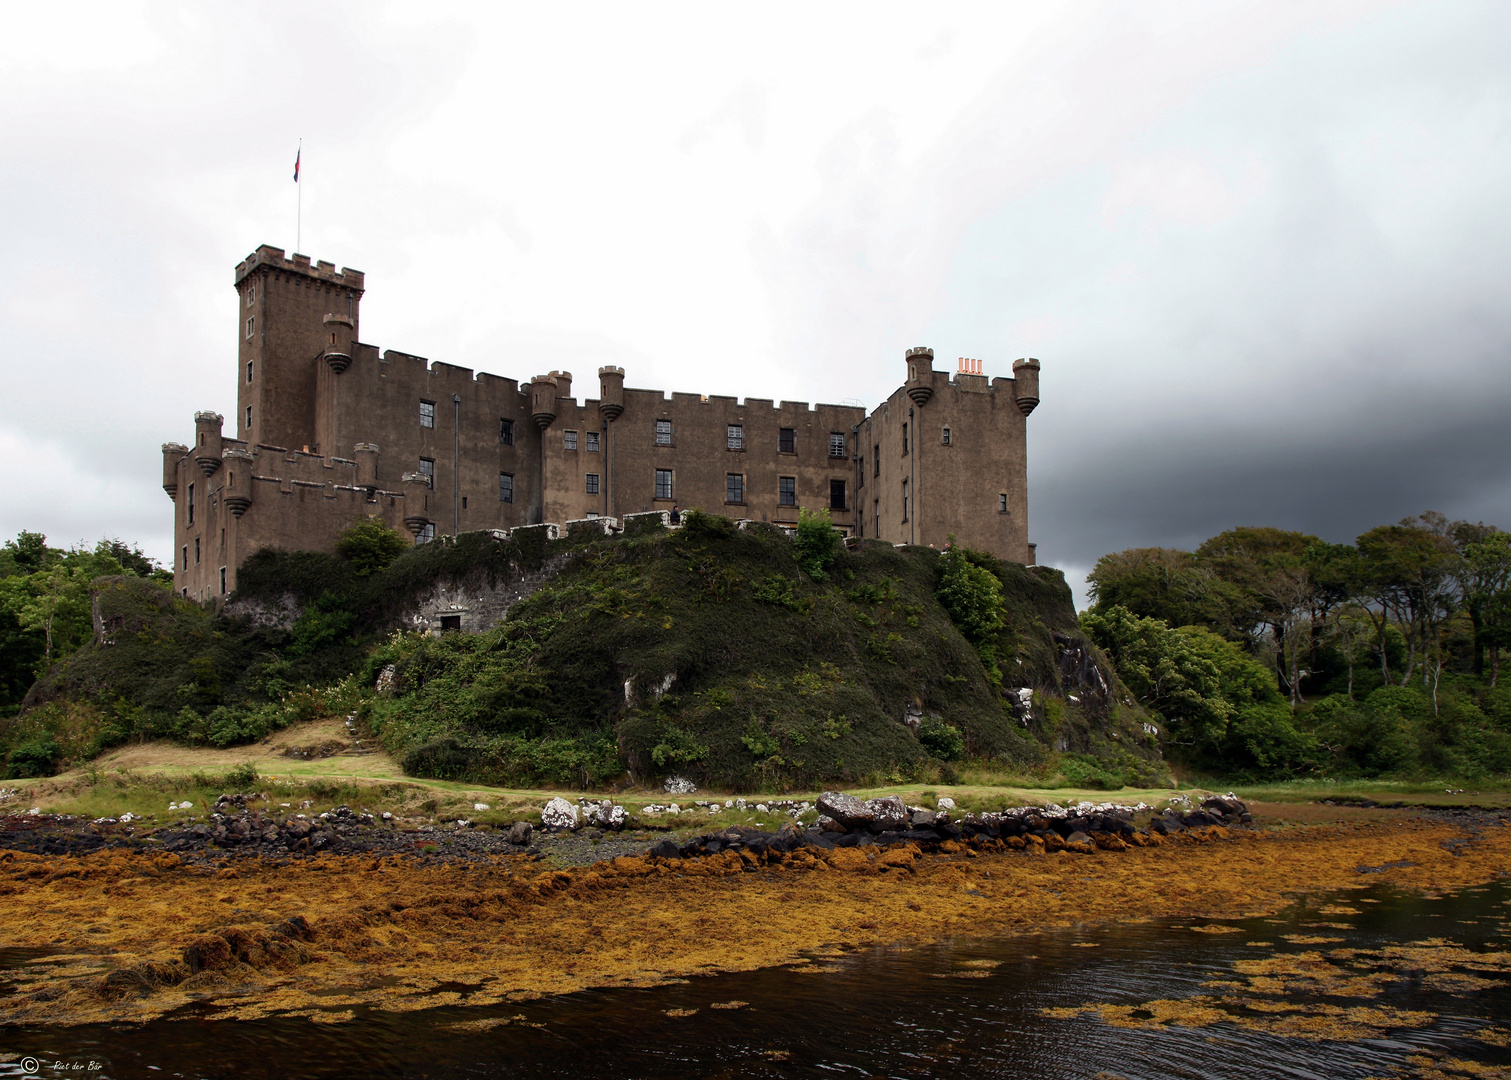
(679, 785)
(559, 814)
(664, 849)
(889, 814)
(945, 803)
(519, 833)
(924, 819)
(847, 810)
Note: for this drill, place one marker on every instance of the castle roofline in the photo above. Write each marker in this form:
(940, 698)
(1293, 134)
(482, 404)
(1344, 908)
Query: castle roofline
(268, 256)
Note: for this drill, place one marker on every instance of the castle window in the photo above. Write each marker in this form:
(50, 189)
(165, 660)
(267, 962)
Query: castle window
(251, 293)
(249, 371)
(860, 472)
(569, 439)
(249, 329)
(222, 581)
(196, 551)
(663, 483)
(786, 491)
(944, 436)
(451, 622)
(464, 502)
(506, 487)
(734, 436)
(191, 504)
(249, 421)
(592, 442)
(506, 431)
(837, 495)
(427, 534)
(592, 483)
(876, 509)
(734, 488)
(664, 434)
(186, 563)
(837, 444)
(1002, 503)
(786, 441)
(427, 470)
(876, 458)
(905, 438)
(427, 414)
(905, 500)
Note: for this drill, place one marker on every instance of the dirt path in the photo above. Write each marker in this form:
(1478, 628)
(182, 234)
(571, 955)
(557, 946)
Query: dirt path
(131, 937)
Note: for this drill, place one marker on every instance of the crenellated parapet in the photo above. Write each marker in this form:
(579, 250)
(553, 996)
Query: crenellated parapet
(268, 257)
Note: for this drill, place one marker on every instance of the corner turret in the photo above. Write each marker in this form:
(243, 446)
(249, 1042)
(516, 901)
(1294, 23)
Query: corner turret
(207, 441)
(611, 392)
(1026, 379)
(338, 350)
(173, 453)
(416, 502)
(238, 491)
(920, 384)
(543, 401)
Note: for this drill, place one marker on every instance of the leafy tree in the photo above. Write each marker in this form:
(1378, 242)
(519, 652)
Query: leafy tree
(817, 543)
(941, 740)
(973, 597)
(370, 545)
(1408, 576)
(1482, 571)
(1167, 584)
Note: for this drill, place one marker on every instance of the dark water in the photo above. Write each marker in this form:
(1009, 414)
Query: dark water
(904, 1013)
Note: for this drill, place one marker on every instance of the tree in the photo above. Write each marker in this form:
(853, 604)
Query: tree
(1482, 570)
(1166, 584)
(1407, 576)
(972, 595)
(370, 545)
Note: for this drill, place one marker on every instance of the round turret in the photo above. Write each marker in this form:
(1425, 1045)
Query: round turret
(338, 342)
(1026, 380)
(611, 392)
(563, 383)
(543, 401)
(173, 453)
(920, 383)
(367, 465)
(207, 441)
(416, 501)
(238, 490)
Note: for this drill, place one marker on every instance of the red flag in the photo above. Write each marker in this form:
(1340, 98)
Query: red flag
(297, 154)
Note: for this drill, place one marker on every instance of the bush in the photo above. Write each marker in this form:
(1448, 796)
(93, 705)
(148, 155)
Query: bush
(817, 543)
(941, 740)
(370, 545)
(439, 759)
(38, 757)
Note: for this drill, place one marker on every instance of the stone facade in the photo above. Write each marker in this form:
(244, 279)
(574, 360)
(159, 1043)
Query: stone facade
(329, 430)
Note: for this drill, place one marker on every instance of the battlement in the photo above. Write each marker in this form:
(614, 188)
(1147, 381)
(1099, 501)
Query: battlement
(267, 256)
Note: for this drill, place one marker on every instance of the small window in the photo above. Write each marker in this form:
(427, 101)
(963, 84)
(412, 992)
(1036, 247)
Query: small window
(663, 483)
(569, 440)
(734, 488)
(427, 534)
(506, 431)
(451, 623)
(592, 483)
(663, 433)
(786, 491)
(427, 470)
(734, 436)
(249, 371)
(249, 329)
(251, 293)
(786, 441)
(186, 562)
(860, 473)
(592, 442)
(876, 460)
(196, 551)
(837, 495)
(905, 438)
(1002, 503)
(837, 444)
(506, 487)
(593, 513)
(222, 581)
(249, 421)
(191, 504)
(905, 500)
(427, 414)
(944, 436)
(464, 502)
(876, 510)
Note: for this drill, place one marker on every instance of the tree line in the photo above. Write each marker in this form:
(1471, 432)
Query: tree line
(1268, 651)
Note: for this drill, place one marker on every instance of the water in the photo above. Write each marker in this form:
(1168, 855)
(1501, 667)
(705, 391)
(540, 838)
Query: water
(967, 1008)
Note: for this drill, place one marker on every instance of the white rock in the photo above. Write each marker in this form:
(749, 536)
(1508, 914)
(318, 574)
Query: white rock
(480, 806)
(946, 803)
(679, 785)
(559, 814)
(386, 815)
(761, 808)
(674, 809)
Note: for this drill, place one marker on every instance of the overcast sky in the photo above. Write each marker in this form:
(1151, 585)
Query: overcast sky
(1262, 250)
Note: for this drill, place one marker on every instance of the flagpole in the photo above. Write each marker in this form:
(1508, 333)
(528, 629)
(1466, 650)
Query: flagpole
(298, 200)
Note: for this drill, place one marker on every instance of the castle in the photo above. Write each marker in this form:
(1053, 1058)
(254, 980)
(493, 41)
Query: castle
(329, 431)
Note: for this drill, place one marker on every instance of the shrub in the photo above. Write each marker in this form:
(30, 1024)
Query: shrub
(817, 543)
(370, 545)
(37, 757)
(941, 740)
